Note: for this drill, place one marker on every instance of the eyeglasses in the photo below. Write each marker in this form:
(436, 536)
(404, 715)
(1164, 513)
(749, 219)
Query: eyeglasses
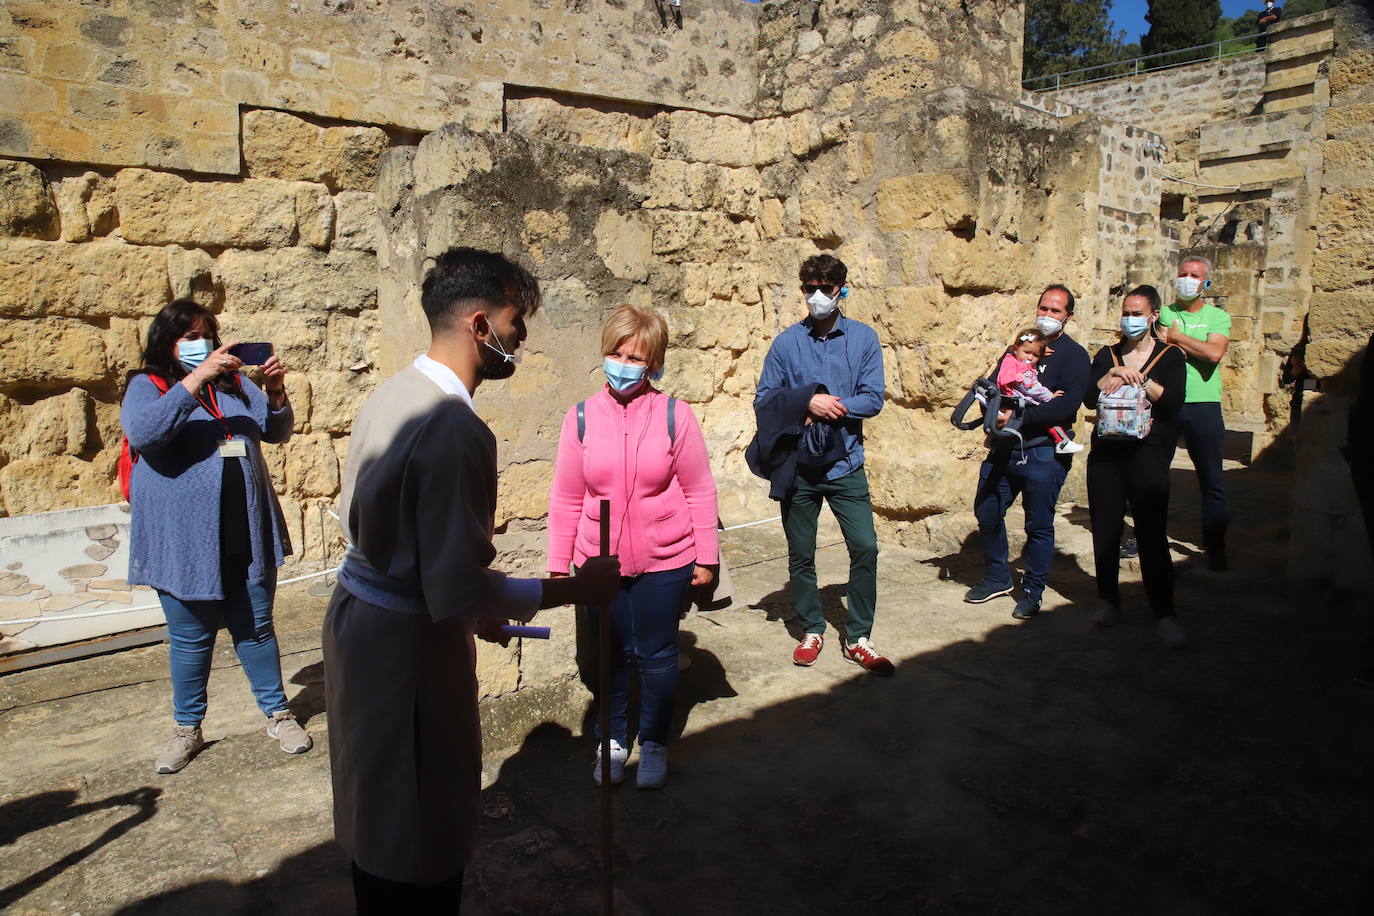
(810, 288)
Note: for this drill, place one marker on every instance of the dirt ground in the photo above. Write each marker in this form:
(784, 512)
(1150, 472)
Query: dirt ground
(1008, 767)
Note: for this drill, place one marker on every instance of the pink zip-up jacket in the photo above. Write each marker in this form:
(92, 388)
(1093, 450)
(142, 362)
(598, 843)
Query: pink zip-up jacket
(663, 498)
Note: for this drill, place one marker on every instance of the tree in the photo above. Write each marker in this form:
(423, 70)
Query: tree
(1176, 24)
(1066, 35)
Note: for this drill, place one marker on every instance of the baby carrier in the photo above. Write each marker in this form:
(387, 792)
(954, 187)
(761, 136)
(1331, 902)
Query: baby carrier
(986, 393)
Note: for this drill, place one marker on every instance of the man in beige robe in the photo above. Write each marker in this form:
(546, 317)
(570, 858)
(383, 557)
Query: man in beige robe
(418, 504)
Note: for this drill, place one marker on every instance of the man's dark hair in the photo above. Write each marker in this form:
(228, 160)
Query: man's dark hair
(1149, 292)
(1061, 288)
(464, 280)
(823, 268)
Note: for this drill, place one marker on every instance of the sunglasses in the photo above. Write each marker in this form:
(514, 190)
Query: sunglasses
(809, 288)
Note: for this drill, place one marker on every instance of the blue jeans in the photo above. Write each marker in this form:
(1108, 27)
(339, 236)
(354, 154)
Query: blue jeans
(191, 626)
(1000, 480)
(644, 631)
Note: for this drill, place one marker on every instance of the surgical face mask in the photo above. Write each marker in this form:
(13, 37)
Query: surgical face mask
(1189, 288)
(1048, 326)
(821, 306)
(191, 353)
(1135, 326)
(622, 377)
(499, 363)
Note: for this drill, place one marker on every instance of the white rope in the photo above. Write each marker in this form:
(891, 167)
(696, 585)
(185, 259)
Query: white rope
(314, 575)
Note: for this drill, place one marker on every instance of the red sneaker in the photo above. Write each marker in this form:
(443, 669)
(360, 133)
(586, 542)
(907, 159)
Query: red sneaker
(865, 656)
(809, 650)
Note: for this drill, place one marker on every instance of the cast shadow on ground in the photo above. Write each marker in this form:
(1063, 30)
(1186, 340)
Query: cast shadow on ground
(701, 679)
(45, 809)
(309, 702)
(1067, 576)
(1041, 769)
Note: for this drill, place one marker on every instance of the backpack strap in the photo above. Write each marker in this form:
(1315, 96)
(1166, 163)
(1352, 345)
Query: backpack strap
(1116, 360)
(672, 421)
(581, 420)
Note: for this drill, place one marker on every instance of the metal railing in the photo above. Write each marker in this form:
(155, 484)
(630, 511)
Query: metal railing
(1217, 50)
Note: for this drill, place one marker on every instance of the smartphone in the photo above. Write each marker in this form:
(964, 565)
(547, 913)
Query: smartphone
(252, 354)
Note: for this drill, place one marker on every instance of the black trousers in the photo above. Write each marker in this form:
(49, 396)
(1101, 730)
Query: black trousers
(1134, 476)
(1203, 429)
(378, 896)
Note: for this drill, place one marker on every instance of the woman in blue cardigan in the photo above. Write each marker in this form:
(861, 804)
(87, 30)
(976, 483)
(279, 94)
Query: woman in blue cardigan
(206, 529)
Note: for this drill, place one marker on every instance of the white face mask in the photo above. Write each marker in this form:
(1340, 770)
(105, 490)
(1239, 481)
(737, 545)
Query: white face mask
(1189, 288)
(821, 306)
(1048, 326)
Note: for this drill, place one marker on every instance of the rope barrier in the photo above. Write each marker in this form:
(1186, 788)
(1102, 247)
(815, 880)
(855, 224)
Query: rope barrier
(110, 612)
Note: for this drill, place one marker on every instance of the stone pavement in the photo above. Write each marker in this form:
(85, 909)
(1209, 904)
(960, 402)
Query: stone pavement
(1039, 767)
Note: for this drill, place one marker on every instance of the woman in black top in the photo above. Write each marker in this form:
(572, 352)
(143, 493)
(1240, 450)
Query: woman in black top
(1134, 473)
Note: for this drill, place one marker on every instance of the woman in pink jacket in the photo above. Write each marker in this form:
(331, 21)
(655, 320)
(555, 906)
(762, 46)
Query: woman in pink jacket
(633, 445)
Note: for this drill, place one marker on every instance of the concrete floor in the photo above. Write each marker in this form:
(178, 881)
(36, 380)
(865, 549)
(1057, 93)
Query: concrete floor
(1038, 767)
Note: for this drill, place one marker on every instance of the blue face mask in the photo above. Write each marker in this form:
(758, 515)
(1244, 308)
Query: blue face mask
(1135, 326)
(621, 377)
(191, 353)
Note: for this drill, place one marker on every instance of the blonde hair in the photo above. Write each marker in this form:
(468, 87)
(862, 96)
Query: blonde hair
(646, 326)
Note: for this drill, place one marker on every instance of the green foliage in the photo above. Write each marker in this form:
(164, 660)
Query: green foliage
(1176, 24)
(1066, 35)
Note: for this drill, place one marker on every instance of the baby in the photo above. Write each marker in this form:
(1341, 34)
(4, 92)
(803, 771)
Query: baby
(1016, 377)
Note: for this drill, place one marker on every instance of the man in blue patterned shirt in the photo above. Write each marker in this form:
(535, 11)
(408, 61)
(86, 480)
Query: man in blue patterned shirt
(843, 356)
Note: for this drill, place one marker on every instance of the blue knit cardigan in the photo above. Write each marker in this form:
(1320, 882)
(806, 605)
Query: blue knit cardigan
(174, 543)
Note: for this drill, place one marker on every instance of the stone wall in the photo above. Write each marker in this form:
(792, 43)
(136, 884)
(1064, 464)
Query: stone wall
(160, 84)
(285, 254)
(1176, 100)
(1328, 540)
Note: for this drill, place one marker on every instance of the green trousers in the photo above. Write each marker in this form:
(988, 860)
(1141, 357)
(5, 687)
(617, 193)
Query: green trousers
(853, 508)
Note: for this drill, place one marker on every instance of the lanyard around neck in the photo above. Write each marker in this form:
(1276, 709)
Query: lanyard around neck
(212, 408)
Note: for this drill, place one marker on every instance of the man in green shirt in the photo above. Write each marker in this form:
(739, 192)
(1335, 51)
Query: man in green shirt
(1202, 331)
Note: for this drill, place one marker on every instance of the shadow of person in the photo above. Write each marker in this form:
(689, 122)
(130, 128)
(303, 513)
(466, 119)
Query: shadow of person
(964, 566)
(309, 702)
(777, 605)
(701, 681)
(36, 812)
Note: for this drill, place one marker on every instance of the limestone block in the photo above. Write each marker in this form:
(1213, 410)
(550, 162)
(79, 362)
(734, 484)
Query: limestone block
(26, 206)
(739, 192)
(982, 264)
(678, 185)
(1343, 266)
(30, 485)
(159, 208)
(524, 490)
(356, 224)
(281, 145)
(94, 280)
(1339, 325)
(679, 236)
(55, 352)
(771, 216)
(71, 195)
(908, 43)
(625, 245)
(336, 398)
(770, 140)
(941, 200)
(912, 316)
(123, 340)
(298, 279)
(498, 669)
(1344, 120)
(1347, 216)
(314, 215)
(58, 425)
(1347, 162)
(298, 338)
(898, 80)
(544, 230)
(352, 341)
(722, 139)
(189, 271)
(1351, 70)
(311, 467)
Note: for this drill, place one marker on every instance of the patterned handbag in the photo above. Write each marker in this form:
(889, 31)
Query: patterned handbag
(1125, 413)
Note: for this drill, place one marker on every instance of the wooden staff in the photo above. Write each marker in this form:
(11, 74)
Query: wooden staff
(604, 665)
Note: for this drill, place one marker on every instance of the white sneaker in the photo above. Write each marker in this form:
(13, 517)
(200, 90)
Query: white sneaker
(1172, 633)
(652, 772)
(618, 757)
(1067, 447)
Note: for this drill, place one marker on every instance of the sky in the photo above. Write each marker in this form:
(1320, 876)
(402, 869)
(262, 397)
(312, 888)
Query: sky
(1130, 14)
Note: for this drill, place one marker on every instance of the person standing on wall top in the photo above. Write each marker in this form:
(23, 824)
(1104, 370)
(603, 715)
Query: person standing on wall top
(1033, 471)
(826, 373)
(1271, 15)
(1203, 332)
(418, 506)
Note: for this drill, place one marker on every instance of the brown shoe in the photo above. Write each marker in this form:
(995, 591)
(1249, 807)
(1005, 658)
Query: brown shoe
(809, 650)
(865, 656)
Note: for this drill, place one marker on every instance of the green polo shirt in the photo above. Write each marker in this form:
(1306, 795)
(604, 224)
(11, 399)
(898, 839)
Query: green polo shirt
(1204, 378)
